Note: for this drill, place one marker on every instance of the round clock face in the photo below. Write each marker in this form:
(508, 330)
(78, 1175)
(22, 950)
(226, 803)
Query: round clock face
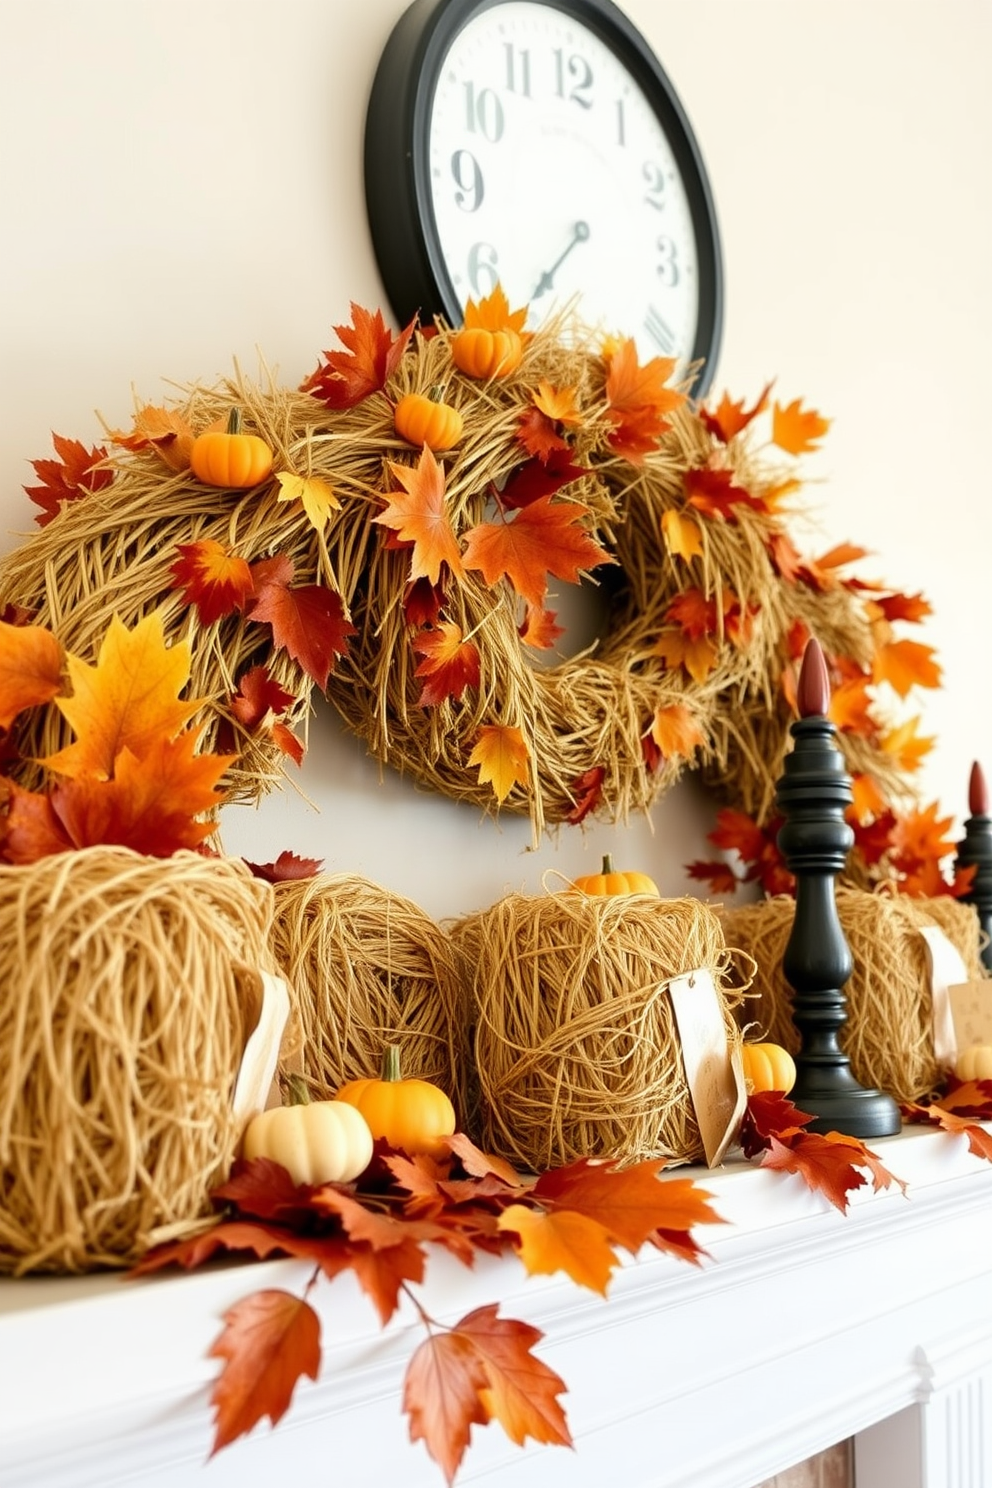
(545, 151)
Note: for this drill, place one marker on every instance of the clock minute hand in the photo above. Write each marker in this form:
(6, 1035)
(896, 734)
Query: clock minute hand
(580, 234)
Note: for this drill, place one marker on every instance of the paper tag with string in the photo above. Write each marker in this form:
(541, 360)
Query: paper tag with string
(267, 1013)
(971, 1006)
(714, 1072)
(947, 969)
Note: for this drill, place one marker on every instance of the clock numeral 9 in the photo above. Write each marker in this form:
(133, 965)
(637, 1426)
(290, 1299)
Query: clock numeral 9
(483, 113)
(483, 270)
(468, 179)
(655, 178)
(579, 73)
(668, 269)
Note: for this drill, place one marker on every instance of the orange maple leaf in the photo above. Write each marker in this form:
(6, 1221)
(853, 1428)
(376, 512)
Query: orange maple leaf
(30, 669)
(418, 516)
(559, 404)
(371, 358)
(910, 607)
(715, 494)
(270, 1341)
(76, 473)
(587, 792)
(450, 663)
(214, 579)
(538, 435)
(562, 1240)
(128, 700)
(849, 708)
(683, 536)
(868, 802)
(979, 1140)
(676, 732)
(546, 537)
(164, 430)
(503, 758)
(629, 1203)
(442, 1395)
(308, 621)
(259, 705)
(638, 399)
(905, 745)
(905, 665)
(795, 429)
(521, 1392)
(921, 834)
(539, 628)
(729, 419)
(493, 313)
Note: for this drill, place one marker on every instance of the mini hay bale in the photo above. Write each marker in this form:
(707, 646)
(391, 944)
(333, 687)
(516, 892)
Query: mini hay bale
(888, 1035)
(125, 985)
(368, 968)
(577, 1050)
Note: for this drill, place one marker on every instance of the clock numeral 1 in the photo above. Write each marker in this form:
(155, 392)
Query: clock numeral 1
(621, 135)
(660, 331)
(483, 113)
(512, 76)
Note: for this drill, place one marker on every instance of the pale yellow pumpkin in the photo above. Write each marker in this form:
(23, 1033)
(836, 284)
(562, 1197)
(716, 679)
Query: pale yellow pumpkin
(974, 1062)
(316, 1142)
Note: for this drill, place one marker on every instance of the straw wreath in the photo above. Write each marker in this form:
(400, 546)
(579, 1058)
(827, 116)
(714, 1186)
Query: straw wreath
(584, 718)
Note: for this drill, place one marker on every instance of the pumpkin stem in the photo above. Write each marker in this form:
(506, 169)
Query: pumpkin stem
(607, 862)
(390, 1063)
(297, 1089)
(234, 421)
(436, 392)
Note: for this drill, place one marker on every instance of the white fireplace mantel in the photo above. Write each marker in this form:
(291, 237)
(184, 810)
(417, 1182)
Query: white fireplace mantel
(802, 1328)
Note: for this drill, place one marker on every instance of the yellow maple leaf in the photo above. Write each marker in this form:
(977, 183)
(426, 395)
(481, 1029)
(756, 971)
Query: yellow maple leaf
(696, 653)
(682, 535)
(165, 430)
(128, 700)
(675, 731)
(906, 746)
(493, 313)
(795, 429)
(503, 758)
(562, 1241)
(317, 496)
(557, 403)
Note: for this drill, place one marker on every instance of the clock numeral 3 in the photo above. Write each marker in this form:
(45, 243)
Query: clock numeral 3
(576, 71)
(468, 179)
(668, 269)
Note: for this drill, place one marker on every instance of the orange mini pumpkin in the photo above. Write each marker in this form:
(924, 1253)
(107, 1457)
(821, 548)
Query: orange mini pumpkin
(609, 881)
(483, 353)
(768, 1066)
(414, 1115)
(421, 419)
(230, 458)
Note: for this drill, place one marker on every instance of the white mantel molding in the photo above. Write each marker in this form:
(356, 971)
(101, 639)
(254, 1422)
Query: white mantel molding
(804, 1327)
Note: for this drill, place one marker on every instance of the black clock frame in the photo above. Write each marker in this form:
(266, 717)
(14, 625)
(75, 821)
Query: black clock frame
(397, 172)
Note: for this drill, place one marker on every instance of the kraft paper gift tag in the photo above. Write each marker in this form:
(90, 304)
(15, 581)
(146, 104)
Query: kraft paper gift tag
(971, 1006)
(947, 969)
(267, 1002)
(714, 1074)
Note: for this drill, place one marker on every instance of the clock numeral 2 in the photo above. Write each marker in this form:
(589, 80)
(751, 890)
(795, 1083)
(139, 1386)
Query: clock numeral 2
(660, 331)
(655, 178)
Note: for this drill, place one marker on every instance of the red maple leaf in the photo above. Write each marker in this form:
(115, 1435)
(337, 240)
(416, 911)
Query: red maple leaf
(308, 621)
(76, 473)
(729, 419)
(371, 358)
(286, 868)
(537, 433)
(215, 580)
(537, 478)
(449, 665)
(715, 494)
(546, 537)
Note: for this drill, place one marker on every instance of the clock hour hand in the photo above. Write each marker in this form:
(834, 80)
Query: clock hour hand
(579, 235)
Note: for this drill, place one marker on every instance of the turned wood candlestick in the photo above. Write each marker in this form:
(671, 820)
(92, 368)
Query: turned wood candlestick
(812, 795)
(976, 848)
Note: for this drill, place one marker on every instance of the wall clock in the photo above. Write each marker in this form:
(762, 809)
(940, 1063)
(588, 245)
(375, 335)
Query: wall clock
(538, 144)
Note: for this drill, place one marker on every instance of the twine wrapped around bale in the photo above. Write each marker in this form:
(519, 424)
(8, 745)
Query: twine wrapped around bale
(369, 967)
(124, 985)
(888, 1035)
(577, 1051)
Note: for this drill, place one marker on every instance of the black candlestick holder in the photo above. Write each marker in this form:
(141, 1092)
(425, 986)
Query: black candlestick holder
(812, 795)
(975, 848)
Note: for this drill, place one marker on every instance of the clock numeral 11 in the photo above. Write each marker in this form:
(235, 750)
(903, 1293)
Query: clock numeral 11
(517, 70)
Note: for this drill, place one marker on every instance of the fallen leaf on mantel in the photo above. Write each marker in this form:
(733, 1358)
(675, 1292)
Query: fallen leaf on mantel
(270, 1341)
(830, 1164)
(960, 1111)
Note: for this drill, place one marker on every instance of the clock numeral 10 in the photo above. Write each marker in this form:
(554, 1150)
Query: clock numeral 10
(660, 331)
(483, 113)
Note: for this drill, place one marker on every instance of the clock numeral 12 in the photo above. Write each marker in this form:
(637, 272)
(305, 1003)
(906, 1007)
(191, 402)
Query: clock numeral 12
(579, 72)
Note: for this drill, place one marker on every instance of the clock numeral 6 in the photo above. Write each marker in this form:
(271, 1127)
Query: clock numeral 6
(468, 179)
(483, 269)
(668, 269)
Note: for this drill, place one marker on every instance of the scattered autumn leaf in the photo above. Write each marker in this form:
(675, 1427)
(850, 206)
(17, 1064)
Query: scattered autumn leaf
(539, 628)
(493, 313)
(546, 537)
(559, 404)
(638, 399)
(449, 665)
(696, 654)
(286, 868)
(795, 429)
(587, 792)
(418, 515)
(165, 430)
(30, 669)
(716, 494)
(729, 419)
(76, 473)
(270, 1341)
(683, 536)
(905, 665)
(308, 621)
(316, 495)
(676, 732)
(503, 758)
(371, 357)
(521, 1391)
(539, 477)
(217, 581)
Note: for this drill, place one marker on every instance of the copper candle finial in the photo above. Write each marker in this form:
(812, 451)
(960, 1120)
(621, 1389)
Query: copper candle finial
(975, 851)
(813, 688)
(978, 792)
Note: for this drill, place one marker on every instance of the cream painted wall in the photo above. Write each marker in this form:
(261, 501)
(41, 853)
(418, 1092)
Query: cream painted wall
(181, 185)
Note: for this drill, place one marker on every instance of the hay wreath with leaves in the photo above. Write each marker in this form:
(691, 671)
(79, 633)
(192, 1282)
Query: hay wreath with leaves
(410, 585)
